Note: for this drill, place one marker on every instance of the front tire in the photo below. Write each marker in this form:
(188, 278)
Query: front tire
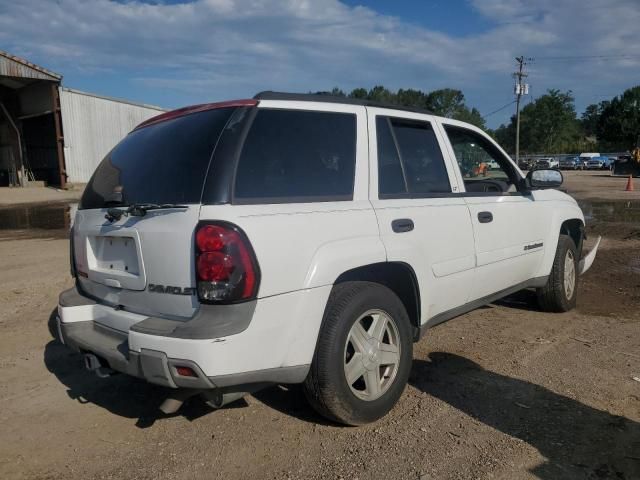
(561, 291)
(363, 356)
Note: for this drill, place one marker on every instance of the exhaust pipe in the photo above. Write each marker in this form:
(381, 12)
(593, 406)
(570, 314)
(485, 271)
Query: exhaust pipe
(214, 398)
(93, 364)
(217, 399)
(176, 398)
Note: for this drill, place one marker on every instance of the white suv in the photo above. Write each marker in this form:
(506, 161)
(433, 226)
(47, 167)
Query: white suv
(304, 239)
(550, 161)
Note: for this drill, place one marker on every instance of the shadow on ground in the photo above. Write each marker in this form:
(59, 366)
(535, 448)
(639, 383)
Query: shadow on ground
(290, 400)
(122, 395)
(578, 441)
(522, 300)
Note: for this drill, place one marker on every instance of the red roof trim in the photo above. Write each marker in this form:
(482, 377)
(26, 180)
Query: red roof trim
(181, 112)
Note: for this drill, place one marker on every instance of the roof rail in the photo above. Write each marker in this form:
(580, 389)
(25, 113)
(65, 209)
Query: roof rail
(328, 98)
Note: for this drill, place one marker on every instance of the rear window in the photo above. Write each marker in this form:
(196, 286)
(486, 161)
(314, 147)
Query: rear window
(162, 163)
(297, 155)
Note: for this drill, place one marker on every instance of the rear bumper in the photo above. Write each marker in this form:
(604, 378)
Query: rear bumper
(112, 348)
(275, 345)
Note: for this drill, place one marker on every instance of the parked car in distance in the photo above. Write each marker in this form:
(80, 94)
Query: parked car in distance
(585, 157)
(542, 163)
(525, 163)
(599, 163)
(551, 162)
(571, 163)
(303, 239)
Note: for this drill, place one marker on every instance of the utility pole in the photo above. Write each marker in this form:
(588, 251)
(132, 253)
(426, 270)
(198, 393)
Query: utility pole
(520, 89)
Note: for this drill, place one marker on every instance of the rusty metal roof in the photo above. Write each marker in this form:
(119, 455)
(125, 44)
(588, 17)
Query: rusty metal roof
(12, 66)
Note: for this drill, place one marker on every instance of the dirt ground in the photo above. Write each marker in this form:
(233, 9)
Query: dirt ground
(598, 184)
(503, 392)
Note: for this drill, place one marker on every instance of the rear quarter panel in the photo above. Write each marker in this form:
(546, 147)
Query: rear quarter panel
(305, 245)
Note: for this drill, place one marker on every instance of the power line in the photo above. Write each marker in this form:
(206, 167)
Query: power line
(499, 109)
(586, 57)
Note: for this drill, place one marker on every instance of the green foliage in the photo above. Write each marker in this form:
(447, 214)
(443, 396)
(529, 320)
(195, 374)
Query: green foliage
(590, 117)
(618, 125)
(505, 135)
(548, 125)
(445, 102)
(360, 93)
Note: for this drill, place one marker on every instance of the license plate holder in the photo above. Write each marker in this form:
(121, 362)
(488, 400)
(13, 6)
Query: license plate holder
(115, 260)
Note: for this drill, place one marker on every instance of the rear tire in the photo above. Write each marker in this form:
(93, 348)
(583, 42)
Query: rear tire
(561, 291)
(363, 356)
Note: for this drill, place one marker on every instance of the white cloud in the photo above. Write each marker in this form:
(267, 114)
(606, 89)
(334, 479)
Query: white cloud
(214, 49)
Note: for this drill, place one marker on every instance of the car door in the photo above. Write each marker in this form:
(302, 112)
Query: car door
(422, 220)
(509, 225)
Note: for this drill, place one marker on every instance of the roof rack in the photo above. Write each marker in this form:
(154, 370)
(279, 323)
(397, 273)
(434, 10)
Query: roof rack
(328, 98)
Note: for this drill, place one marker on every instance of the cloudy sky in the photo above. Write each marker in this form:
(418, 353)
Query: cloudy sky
(172, 53)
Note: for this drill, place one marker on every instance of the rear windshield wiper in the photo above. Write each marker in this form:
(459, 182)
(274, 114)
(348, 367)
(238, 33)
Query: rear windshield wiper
(139, 210)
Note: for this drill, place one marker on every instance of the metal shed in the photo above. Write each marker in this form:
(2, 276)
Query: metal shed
(50, 134)
(93, 125)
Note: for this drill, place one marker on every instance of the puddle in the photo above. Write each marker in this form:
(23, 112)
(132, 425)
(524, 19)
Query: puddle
(611, 211)
(37, 220)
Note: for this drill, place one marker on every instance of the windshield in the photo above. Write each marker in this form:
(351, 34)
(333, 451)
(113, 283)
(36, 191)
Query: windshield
(162, 163)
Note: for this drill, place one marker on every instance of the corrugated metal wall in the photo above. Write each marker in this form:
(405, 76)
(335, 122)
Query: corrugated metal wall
(92, 126)
(12, 66)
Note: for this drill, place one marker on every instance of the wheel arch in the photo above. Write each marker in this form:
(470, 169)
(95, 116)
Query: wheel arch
(399, 277)
(565, 219)
(574, 227)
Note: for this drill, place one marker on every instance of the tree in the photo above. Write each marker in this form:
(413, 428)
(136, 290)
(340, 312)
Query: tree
(548, 125)
(472, 116)
(590, 117)
(381, 94)
(360, 93)
(505, 135)
(450, 103)
(411, 98)
(618, 126)
(446, 102)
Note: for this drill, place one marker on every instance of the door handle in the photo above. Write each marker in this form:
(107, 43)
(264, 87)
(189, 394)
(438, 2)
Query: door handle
(401, 225)
(485, 217)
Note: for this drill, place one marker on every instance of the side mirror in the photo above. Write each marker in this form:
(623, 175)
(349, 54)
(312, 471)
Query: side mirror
(544, 178)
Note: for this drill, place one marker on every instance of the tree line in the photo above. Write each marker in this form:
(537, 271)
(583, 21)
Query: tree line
(445, 102)
(548, 124)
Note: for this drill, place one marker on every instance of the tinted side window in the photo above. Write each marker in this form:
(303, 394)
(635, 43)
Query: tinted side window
(409, 158)
(297, 155)
(390, 175)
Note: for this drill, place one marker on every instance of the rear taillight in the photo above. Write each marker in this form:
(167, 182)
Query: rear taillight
(226, 267)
